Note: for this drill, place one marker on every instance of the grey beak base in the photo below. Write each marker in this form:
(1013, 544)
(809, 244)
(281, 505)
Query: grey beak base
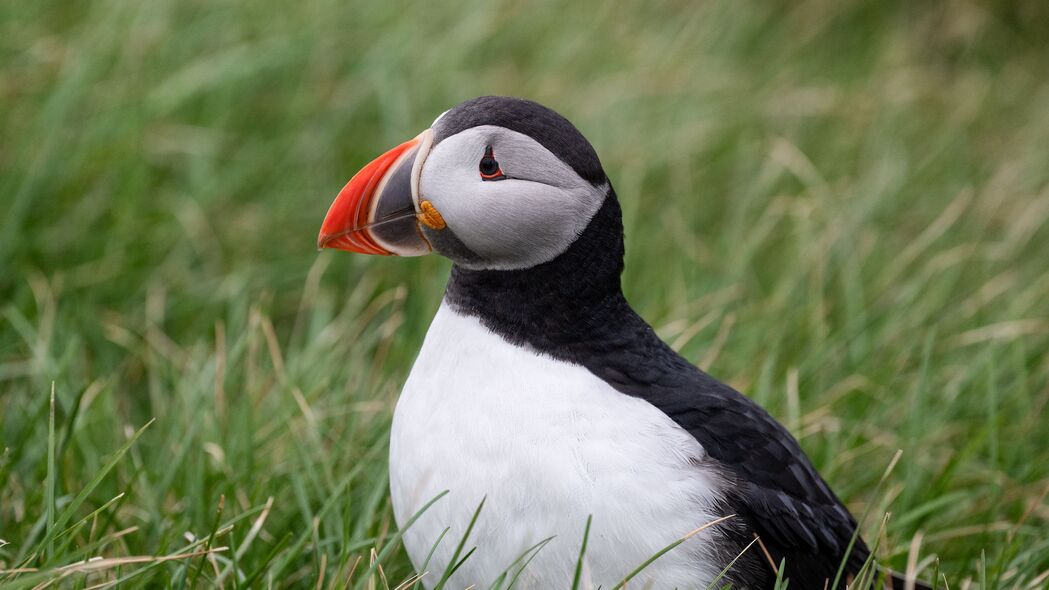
(394, 223)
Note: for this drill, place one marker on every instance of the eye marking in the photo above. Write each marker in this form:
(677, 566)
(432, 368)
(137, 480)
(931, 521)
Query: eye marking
(489, 166)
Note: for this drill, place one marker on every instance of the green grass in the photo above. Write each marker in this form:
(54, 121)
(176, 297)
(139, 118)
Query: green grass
(841, 208)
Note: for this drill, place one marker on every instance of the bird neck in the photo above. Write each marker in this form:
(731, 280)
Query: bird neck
(558, 304)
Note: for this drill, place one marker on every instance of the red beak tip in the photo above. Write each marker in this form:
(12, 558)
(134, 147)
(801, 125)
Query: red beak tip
(352, 207)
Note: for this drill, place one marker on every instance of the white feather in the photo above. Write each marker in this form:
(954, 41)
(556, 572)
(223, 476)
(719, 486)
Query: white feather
(546, 443)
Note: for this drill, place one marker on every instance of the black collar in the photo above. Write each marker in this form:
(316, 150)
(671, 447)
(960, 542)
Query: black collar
(560, 307)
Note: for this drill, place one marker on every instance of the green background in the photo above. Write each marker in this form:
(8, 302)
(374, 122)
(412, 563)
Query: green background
(838, 207)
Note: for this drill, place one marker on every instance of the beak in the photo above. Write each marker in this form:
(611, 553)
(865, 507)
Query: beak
(377, 211)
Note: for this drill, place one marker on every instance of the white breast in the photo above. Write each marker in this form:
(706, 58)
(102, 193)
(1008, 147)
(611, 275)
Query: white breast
(547, 443)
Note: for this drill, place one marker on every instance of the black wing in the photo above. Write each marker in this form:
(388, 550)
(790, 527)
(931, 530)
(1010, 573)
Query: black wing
(779, 494)
(773, 485)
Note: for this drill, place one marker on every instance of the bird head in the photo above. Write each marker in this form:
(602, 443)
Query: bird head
(496, 183)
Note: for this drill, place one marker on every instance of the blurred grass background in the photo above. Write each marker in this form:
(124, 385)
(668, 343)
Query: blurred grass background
(839, 207)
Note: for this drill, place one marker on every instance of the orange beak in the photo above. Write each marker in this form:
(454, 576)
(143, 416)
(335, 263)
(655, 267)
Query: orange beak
(375, 212)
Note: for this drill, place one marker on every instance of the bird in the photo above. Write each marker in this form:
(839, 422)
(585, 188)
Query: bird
(543, 409)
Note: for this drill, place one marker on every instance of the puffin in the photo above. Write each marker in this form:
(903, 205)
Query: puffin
(543, 412)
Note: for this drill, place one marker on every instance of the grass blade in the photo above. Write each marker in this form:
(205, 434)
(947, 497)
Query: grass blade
(582, 554)
(51, 468)
(726, 569)
(863, 518)
(454, 562)
(392, 542)
(71, 508)
(622, 583)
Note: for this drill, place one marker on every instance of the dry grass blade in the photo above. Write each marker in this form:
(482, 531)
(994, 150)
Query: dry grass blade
(622, 583)
(93, 565)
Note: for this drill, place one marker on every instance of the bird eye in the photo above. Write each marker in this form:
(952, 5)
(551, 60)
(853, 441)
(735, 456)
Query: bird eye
(489, 167)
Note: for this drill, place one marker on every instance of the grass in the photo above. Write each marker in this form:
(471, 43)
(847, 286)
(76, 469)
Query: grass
(841, 208)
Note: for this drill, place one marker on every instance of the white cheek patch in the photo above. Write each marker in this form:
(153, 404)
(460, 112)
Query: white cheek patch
(522, 224)
(529, 218)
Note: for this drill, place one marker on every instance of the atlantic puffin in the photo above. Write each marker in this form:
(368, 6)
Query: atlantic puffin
(539, 390)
